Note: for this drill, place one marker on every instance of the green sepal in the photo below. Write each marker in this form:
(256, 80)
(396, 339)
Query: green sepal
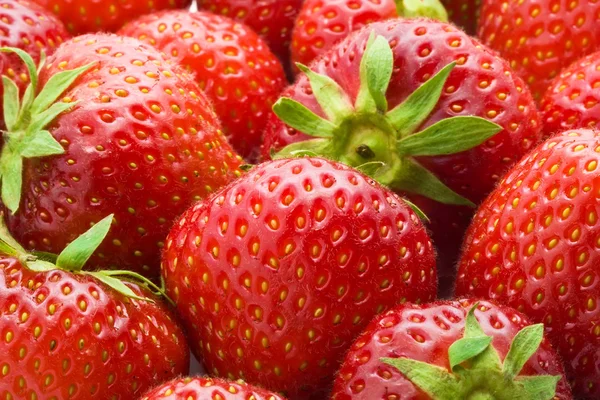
(467, 348)
(151, 286)
(29, 63)
(76, 254)
(11, 102)
(40, 266)
(299, 117)
(420, 213)
(370, 168)
(42, 62)
(523, 347)
(42, 144)
(541, 387)
(422, 8)
(488, 358)
(376, 69)
(117, 285)
(10, 246)
(314, 147)
(45, 256)
(43, 119)
(11, 175)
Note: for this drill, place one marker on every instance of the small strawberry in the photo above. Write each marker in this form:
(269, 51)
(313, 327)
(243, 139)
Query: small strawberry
(208, 388)
(321, 23)
(463, 13)
(540, 37)
(272, 19)
(276, 274)
(451, 350)
(534, 246)
(69, 334)
(31, 28)
(83, 16)
(572, 100)
(130, 134)
(232, 64)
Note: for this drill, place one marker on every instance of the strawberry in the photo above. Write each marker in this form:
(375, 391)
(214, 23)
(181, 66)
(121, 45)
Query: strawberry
(232, 64)
(69, 334)
(443, 119)
(31, 28)
(133, 135)
(321, 24)
(534, 246)
(83, 16)
(463, 13)
(451, 350)
(540, 37)
(276, 274)
(272, 19)
(208, 388)
(571, 101)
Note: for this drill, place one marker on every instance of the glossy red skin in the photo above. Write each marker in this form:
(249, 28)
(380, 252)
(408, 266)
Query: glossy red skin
(29, 27)
(395, 249)
(102, 136)
(571, 101)
(425, 333)
(102, 17)
(472, 174)
(498, 27)
(272, 19)
(209, 388)
(82, 322)
(322, 23)
(571, 318)
(232, 64)
(463, 13)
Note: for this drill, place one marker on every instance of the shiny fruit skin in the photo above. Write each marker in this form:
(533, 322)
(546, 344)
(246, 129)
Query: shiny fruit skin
(208, 388)
(425, 333)
(534, 246)
(232, 64)
(69, 336)
(275, 275)
(132, 148)
(463, 13)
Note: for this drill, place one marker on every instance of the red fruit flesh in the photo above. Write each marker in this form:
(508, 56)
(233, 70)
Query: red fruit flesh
(463, 13)
(232, 64)
(69, 336)
(142, 143)
(276, 274)
(534, 246)
(425, 333)
(208, 388)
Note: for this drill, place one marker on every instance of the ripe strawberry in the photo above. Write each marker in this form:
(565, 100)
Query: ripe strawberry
(540, 37)
(463, 13)
(133, 136)
(321, 24)
(83, 16)
(276, 274)
(427, 100)
(272, 19)
(430, 346)
(571, 102)
(69, 334)
(208, 388)
(534, 246)
(31, 28)
(232, 64)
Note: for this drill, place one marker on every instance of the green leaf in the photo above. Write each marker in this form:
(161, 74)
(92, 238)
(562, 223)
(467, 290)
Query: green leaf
(42, 62)
(55, 86)
(376, 69)
(449, 136)
(42, 144)
(313, 147)
(411, 113)
(467, 348)
(117, 285)
(523, 347)
(370, 168)
(41, 266)
(155, 289)
(420, 213)
(487, 359)
(330, 96)
(422, 8)
(9, 245)
(45, 256)
(11, 172)
(541, 387)
(43, 119)
(437, 382)
(472, 327)
(299, 117)
(76, 254)
(10, 102)
(29, 64)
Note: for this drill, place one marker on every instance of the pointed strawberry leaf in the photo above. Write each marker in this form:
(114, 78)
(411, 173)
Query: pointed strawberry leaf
(420, 213)
(11, 173)
(55, 86)
(41, 266)
(299, 117)
(29, 63)
(41, 144)
(76, 254)
(43, 119)
(314, 147)
(155, 289)
(467, 348)
(523, 347)
(376, 69)
(117, 285)
(10, 102)
(422, 8)
(541, 387)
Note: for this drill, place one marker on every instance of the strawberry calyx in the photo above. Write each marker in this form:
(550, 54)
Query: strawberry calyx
(476, 372)
(383, 143)
(26, 120)
(73, 258)
(422, 8)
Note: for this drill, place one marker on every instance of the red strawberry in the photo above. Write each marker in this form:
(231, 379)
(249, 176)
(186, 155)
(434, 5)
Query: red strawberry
(275, 275)
(540, 37)
(83, 16)
(425, 98)
(233, 66)
(534, 246)
(31, 28)
(571, 102)
(272, 19)
(434, 344)
(138, 139)
(321, 23)
(463, 13)
(208, 388)
(69, 334)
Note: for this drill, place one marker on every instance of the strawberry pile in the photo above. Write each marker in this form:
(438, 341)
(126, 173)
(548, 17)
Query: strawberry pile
(314, 199)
